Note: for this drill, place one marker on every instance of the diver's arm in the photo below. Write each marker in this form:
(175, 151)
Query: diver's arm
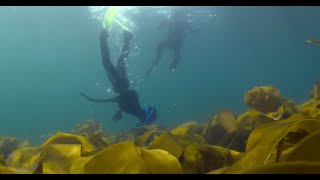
(99, 100)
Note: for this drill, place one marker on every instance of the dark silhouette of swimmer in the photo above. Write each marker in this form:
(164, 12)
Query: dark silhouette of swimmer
(177, 25)
(127, 99)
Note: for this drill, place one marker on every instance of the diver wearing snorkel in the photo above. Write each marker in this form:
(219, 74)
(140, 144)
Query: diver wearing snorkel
(127, 99)
(177, 25)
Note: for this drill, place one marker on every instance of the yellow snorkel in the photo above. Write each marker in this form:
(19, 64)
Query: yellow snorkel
(110, 16)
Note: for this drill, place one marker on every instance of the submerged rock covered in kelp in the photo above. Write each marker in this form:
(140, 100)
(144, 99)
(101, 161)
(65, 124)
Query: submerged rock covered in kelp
(265, 99)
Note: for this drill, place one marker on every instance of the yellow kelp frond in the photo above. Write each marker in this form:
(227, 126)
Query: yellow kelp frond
(158, 161)
(290, 108)
(9, 170)
(315, 92)
(121, 158)
(299, 167)
(167, 141)
(126, 158)
(8, 145)
(141, 141)
(223, 130)
(265, 148)
(227, 119)
(310, 109)
(219, 171)
(87, 147)
(78, 165)
(58, 158)
(252, 119)
(26, 158)
(197, 138)
(60, 148)
(175, 144)
(192, 127)
(213, 131)
(278, 114)
(305, 150)
(205, 158)
(263, 98)
(1, 160)
(218, 126)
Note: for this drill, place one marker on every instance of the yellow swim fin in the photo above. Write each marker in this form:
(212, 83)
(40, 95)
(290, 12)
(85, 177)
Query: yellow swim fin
(110, 17)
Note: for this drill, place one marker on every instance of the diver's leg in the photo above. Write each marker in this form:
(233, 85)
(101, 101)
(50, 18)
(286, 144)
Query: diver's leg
(160, 48)
(111, 71)
(176, 59)
(121, 64)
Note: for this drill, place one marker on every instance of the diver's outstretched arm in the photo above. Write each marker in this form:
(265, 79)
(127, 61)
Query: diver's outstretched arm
(99, 100)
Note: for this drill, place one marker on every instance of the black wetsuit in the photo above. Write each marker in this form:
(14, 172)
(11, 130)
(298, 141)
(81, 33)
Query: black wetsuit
(177, 28)
(127, 99)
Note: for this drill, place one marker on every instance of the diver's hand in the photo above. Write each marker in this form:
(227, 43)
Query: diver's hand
(104, 34)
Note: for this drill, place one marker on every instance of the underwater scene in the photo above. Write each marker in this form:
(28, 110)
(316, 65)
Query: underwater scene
(160, 90)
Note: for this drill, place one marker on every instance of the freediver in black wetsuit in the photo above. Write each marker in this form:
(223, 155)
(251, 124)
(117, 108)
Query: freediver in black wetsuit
(177, 25)
(127, 99)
